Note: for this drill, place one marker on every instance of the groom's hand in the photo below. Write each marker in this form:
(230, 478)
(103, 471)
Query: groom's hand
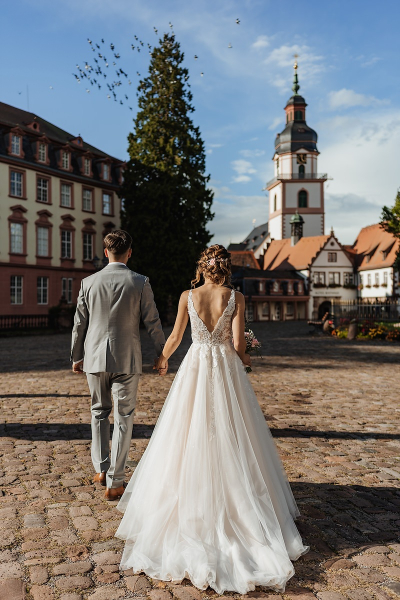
(77, 367)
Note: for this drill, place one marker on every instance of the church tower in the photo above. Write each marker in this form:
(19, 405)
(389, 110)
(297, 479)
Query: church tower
(297, 185)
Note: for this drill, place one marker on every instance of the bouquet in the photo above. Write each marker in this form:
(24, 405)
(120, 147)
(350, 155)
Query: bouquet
(253, 346)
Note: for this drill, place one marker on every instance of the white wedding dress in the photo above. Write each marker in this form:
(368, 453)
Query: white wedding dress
(209, 500)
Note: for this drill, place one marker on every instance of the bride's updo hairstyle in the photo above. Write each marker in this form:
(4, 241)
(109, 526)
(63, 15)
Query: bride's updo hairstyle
(215, 264)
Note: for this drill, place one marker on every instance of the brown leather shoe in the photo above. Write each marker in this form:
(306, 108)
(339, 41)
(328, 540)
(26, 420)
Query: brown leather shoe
(114, 493)
(100, 478)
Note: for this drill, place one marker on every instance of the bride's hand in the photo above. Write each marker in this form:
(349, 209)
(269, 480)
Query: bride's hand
(247, 360)
(161, 365)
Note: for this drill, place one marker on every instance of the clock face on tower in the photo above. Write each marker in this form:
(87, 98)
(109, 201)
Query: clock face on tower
(301, 159)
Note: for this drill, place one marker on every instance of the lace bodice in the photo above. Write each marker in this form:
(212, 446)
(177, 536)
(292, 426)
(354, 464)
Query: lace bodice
(222, 333)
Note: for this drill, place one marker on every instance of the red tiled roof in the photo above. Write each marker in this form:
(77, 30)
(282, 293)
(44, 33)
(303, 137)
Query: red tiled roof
(371, 244)
(244, 258)
(280, 254)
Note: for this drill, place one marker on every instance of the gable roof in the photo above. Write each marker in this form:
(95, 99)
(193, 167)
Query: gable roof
(280, 254)
(371, 245)
(244, 258)
(254, 240)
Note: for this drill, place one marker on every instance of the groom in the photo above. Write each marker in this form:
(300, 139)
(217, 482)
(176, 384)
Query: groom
(106, 345)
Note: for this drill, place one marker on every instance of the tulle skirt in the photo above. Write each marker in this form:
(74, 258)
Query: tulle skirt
(210, 500)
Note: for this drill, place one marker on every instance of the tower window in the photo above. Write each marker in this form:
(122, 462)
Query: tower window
(298, 115)
(275, 203)
(303, 199)
(301, 172)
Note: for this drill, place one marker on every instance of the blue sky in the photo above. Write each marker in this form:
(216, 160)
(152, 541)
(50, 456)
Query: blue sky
(349, 73)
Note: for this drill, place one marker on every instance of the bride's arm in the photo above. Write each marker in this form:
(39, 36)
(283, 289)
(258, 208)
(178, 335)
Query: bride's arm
(177, 333)
(238, 323)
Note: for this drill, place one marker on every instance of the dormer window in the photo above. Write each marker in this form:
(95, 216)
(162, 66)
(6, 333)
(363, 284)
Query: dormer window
(86, 166)
(106, 171)
(65, 158)
(42, 152)
(15, 144)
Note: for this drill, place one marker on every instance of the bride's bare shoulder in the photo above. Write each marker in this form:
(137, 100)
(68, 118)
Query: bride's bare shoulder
(239, 298)
(184, 295)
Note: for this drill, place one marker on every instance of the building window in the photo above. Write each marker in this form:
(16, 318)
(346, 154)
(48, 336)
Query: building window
(42, 189)
(275, 286)
(42, 152)
(265, 309)
(369, 280)
(87, 203)
(106, 172)
(15, 144)
(42, 241)
(107, 204)
(16, 184)
(277, 167)
(361, 280)
(302, 199)
(332, 257)
(122, 203)
(290, 287)
(298, 115)
(65, 160)
(17, 238)
(275, 203)
(66, 244)
(87, 246)
(300, 288)
(42, 290)
(319, 278)
(385, 278)
(66, 195)
(348, 278)
(86, 167)
(289, 309)
(334, 278)
(16, 289)
(260, 286)
(377, 279)
(66, 289)
(301, 171)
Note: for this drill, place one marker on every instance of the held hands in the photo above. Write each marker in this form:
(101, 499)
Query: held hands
(78, 367)
(161, 365)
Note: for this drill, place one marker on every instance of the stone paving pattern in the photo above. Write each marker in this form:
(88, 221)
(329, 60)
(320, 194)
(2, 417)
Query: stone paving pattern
(333, 409)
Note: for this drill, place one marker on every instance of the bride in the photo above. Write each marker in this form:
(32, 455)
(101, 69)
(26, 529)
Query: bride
(209, 500)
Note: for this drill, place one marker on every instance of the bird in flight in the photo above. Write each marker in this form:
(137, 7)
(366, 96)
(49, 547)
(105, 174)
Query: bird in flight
(237, 21)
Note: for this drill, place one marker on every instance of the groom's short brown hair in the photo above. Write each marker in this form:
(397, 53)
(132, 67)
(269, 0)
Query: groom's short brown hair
(118, 242)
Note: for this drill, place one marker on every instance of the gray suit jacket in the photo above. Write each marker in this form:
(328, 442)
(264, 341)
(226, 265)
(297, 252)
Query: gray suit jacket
(107, 318)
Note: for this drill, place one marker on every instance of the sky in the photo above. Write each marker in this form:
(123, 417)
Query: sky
(349, 73)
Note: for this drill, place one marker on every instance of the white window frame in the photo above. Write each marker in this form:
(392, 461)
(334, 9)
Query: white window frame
(87, 246)
(42, 290)
(385, 277)
(109, 212)
(42, 190)
(17, 183)
(65, 160)
(332, 257)
(42, 152)
(42, 241)
(86, 166)
(66, 243)
(16, 289)
(377, 282)
(16, 144)
(85, 191)
(369, 279)
(66, 289)
(64, 196)
(319, 277)
(16, 238)
(106, 171)
(334, 277)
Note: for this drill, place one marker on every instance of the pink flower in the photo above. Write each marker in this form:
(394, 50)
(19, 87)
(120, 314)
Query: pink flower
(211, 262)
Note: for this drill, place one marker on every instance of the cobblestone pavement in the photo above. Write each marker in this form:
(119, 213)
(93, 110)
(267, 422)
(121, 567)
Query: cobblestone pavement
(333, 409)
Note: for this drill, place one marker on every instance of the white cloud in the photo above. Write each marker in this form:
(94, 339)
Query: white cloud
(275, 123)
(252, 153)
(345, 98)
(261, 42)
(279, 59)
(243, 168)
(241, 179)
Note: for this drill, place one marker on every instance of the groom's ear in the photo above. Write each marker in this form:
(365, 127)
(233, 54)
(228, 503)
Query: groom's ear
(106, 252)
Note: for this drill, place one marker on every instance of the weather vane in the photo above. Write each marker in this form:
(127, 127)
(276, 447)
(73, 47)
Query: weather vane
(295, 56)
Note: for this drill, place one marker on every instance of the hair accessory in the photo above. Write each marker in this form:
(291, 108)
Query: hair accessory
(211, 262)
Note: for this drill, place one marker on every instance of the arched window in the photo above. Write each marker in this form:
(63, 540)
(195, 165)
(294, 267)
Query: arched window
(275, 203)
(301, 171)
(298, 115)
(302, 199)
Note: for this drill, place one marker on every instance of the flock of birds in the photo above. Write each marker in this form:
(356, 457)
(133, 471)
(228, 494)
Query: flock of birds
(100, 75)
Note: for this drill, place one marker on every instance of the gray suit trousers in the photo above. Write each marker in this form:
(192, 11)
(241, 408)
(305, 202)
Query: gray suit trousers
(122, 388)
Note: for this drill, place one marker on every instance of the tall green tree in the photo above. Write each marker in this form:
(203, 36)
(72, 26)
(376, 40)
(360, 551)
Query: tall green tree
(167, 201)
(390, 222)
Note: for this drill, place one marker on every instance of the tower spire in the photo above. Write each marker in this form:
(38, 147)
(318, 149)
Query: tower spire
(296, 85)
